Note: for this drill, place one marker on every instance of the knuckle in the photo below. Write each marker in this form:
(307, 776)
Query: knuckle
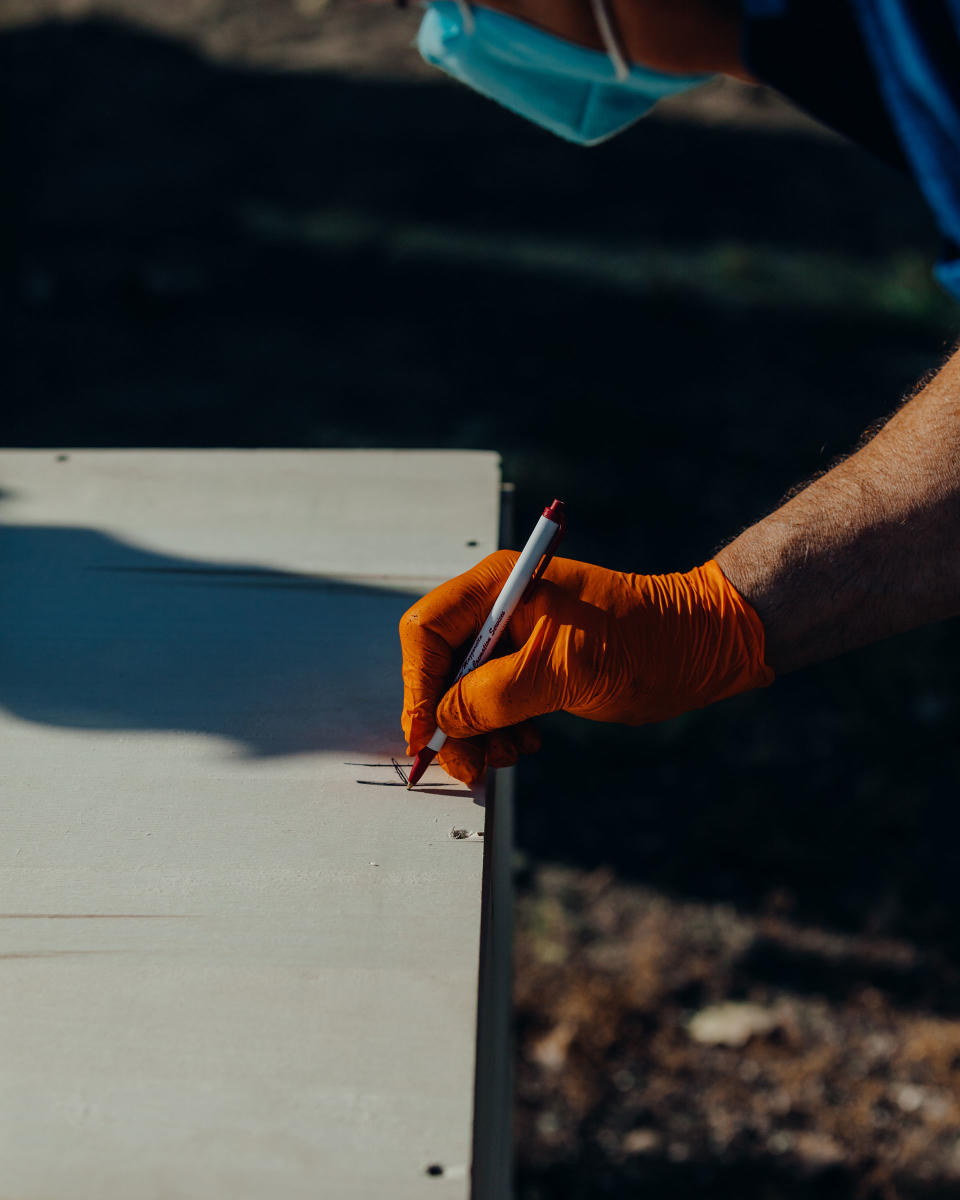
(500, 562)
(410, 621)
(586, 667)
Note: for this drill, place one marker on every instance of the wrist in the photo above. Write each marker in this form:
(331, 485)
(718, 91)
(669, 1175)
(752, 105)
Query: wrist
(719, 645)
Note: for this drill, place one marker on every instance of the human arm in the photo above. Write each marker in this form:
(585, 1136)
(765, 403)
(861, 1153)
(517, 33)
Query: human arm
(871, 548)
(867, 550)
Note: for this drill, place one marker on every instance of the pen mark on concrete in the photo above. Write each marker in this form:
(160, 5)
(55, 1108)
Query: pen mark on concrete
(420, 789)
(390, 783)
(392, 763)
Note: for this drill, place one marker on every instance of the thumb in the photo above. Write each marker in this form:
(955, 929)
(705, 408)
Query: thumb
(504, 691)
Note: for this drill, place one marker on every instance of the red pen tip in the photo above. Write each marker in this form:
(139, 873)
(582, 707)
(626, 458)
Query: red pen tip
(420, 764)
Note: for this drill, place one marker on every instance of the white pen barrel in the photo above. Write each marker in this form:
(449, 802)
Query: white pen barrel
(538, 543)
(511, 593)
(436, 742)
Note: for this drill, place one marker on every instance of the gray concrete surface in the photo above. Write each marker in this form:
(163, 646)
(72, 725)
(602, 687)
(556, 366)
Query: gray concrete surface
(239, 958)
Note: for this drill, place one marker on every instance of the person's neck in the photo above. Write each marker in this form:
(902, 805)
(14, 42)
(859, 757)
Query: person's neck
(681, 37)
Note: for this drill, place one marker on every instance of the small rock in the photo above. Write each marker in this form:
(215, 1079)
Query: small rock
(933, 1102)
(909, 1097)
(880, 1046)
(641, 1141)
(732, 1024)
(550, 1051)
(816, 1150)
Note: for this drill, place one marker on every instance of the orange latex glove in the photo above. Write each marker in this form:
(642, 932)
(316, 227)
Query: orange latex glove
(602, 644)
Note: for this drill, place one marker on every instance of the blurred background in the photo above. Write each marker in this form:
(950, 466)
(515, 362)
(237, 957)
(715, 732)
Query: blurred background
(265, 223)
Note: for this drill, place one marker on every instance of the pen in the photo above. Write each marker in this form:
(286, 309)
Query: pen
(534, 557)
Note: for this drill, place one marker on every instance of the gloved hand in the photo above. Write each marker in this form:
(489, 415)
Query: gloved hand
(602, 644)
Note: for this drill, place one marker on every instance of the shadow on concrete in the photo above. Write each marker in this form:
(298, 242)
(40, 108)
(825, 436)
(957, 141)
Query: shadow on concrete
(101, 635)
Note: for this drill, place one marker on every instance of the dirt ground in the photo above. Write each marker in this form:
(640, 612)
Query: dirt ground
(689, 1048)
(238, 223)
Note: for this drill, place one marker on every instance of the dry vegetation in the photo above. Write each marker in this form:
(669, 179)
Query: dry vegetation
(647, 1037)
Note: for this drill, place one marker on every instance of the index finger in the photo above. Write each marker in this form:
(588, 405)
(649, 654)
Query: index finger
(434, 629)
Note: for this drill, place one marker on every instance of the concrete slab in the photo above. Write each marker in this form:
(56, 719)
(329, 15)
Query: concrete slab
(239, 958)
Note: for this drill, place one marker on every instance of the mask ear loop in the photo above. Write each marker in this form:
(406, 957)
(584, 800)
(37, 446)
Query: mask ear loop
(610, 38)
(466, 12)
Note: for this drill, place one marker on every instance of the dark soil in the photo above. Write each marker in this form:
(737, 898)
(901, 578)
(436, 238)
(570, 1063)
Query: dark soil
(207, 251)
(847, 1087)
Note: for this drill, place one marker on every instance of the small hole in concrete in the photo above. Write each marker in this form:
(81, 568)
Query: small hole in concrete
(63, 458)
(435, 1169)
(472, 542)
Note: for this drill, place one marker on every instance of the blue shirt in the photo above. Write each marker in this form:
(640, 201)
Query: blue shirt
(884, 72)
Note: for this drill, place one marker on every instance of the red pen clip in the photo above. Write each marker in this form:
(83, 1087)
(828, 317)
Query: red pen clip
(558, 514)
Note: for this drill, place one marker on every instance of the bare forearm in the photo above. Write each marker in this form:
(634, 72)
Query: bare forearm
(870, 549)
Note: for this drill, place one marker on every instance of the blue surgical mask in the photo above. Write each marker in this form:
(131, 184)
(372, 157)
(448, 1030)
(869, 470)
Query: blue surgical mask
(582, 95)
